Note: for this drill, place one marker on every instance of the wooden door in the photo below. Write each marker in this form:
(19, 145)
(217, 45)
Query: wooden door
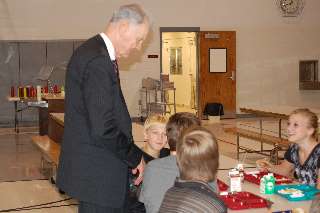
(217, 85)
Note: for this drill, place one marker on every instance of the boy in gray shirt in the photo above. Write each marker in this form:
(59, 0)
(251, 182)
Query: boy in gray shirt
(160, 174)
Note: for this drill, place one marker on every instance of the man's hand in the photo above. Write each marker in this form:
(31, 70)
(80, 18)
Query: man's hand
(140, 169)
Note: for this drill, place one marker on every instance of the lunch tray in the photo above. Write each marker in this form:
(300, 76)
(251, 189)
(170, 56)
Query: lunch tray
(243, 200)
(222, 186)
(308, 192)
(254, 177)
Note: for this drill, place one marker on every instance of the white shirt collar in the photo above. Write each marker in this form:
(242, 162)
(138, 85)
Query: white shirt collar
(109, 46)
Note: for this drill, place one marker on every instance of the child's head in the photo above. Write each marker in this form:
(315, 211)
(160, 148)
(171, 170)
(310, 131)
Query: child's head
(198, 155)
(155, 132)
(177, 123)
(302, 124)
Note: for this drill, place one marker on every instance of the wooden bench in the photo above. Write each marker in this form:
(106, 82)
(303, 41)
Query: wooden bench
(50, 151)
(56, 126)
(279, 144)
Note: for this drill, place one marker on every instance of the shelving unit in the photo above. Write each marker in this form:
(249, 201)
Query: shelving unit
(163, 106)
(153, 97)
(148, 94)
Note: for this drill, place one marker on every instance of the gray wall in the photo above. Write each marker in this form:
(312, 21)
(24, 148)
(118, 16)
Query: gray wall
(20, 63)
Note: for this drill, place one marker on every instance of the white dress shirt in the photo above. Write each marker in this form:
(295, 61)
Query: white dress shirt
(109, 46)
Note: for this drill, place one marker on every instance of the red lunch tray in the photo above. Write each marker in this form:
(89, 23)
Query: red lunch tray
(222, 186)
(256, 176)
(243, 200)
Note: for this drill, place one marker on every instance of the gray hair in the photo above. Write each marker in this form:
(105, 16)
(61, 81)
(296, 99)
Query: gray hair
(131, 12)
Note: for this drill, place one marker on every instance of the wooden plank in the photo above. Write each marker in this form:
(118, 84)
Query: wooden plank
(272, 140)
(55, 104)
(279, 111)
(55, 130)
(263, 113)
(47, 147)
(58, 117)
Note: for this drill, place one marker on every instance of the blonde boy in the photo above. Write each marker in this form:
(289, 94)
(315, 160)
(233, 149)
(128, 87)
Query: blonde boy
(155, 137)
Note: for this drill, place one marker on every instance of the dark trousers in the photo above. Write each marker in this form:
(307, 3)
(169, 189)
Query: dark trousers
(85, 207)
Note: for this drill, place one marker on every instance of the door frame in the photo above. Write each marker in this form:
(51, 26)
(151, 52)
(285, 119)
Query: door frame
(183, 29)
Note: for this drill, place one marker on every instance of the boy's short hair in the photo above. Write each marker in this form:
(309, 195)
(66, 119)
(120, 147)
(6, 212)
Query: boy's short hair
(177, 123)
(198, 155)
(154, 120)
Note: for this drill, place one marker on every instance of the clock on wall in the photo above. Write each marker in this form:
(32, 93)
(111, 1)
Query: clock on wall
(290, 8)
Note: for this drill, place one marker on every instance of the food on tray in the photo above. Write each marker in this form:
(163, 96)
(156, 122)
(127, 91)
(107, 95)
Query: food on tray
(299, 192)
(283, 179)
(290, 191)
(296, 195)
(255, 177)
(224, 193)
(255, 172)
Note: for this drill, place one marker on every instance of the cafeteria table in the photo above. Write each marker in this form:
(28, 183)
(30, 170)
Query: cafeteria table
(279, 203)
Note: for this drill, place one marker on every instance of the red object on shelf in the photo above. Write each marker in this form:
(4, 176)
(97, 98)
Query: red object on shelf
(20, 92)
(28, 89)
(243, 200)
(46, 89)
(222, 186)
(255, 178)
(32, 92)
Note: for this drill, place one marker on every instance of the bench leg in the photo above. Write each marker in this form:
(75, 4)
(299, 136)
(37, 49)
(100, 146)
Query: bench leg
(274, 154)
(261, 129)
(42, 163)
(238, 146)
(53, 177)
(261, 145)
(280, 128)
(272, 159)
(48, 168)
(276, 147)
(54, 173)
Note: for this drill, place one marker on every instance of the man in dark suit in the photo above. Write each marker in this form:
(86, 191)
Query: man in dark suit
(98, 149)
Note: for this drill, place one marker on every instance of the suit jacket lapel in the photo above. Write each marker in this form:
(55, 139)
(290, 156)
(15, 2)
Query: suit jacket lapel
(104, 51)
(103, 47)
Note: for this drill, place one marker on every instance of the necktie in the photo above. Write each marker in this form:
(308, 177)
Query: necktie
(116, 68)
(115, 65)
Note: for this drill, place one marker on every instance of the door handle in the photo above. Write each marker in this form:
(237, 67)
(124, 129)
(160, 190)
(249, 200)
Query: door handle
(233, 76)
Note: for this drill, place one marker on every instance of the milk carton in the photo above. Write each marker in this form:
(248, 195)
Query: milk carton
(267, 184)
(235, 181)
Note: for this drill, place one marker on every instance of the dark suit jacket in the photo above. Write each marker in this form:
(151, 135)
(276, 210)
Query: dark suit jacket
(97, 146)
